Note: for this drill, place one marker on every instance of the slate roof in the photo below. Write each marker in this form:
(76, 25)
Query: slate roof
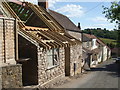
(85, 38)
(63, 21)
(98, 40)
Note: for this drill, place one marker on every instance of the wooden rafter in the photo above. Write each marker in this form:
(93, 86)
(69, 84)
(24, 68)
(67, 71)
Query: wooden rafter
(52, 24)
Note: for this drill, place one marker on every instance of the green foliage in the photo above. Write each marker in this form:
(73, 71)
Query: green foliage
(113, 12)
(102, 33)
(109, 41)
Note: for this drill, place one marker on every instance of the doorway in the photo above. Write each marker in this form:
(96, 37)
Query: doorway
(28, 59)
(67, 61)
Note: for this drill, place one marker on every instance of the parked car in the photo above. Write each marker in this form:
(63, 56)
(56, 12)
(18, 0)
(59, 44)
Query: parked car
(118, 60)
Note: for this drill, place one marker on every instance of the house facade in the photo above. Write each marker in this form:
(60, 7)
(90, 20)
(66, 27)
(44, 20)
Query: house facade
(99, 51)
(9, 70)
(45, 50)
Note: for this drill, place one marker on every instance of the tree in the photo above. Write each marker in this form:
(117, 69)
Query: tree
(113, 14)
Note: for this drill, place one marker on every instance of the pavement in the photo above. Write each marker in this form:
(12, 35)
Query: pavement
(105, 75)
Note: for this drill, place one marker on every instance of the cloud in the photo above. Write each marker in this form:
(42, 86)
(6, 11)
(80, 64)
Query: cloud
(52, 3)
(71, 10)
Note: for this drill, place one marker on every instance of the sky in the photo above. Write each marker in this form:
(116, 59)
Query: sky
(87, 12)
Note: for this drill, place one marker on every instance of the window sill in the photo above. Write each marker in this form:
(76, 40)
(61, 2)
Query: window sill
(52, 67)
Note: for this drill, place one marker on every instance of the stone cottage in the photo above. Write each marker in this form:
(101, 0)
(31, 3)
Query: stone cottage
(44, 61)
(106, 51)
(46, 51)
(98, 51)
(86, 51)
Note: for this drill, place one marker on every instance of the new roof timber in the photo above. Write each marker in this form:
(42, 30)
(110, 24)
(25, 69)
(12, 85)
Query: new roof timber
(43, 36)
(22, 26)
(43, 33)
(59, 40)
(55, 38)
(6, 5)
(36, 28)
(38, 11)
(46, 17)
(46, 46)
(35, 32)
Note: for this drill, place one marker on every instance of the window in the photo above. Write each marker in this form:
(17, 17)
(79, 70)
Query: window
(52, 58)
(87, 44)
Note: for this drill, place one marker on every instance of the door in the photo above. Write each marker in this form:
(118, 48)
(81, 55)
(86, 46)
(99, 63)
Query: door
(67, 61)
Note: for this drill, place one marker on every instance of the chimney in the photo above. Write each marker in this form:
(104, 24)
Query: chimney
(43, 3)
(79, 26)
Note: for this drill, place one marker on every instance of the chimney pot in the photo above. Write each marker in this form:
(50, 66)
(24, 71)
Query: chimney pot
(79, 26)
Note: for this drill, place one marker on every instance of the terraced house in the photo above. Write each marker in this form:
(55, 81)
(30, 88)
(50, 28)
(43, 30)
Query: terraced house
(47, 48)
(94, 50)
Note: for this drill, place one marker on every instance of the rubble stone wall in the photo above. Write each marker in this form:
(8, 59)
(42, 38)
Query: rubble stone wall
(77, 35)
(47, 77)
(7, 44)
(75, 59)
(85, 45)
(10, 76)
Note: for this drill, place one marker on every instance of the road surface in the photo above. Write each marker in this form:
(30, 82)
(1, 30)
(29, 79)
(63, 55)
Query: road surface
(104, 75)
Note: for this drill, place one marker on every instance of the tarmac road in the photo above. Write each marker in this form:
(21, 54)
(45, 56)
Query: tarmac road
(104, 75)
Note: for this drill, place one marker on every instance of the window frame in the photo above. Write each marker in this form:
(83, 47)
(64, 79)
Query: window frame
(55, 58)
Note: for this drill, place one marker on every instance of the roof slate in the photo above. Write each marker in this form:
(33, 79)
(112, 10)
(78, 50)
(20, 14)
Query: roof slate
(85, 38)
(63, 21)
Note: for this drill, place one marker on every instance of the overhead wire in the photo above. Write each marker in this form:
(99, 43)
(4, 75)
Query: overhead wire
(93, 8)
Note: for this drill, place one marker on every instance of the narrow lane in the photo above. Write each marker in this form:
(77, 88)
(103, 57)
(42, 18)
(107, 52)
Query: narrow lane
(104, 75)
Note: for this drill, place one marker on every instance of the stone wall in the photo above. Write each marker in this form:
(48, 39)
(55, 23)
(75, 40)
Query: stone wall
(75, 59)
(84, 44)
(1, 41)
(7, 44)
(10, 76)
(77, 35)
(47, 77)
